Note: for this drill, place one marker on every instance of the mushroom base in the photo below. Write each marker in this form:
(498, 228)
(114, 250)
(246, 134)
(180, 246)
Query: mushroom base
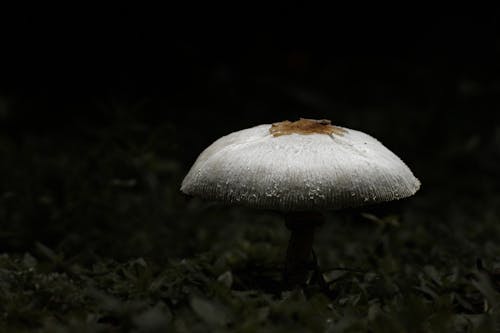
(298, 265)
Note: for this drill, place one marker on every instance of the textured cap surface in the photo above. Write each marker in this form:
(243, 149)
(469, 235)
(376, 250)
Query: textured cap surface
(297, 172)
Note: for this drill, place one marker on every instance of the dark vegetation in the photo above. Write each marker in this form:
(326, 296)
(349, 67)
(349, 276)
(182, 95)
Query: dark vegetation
(99, 126)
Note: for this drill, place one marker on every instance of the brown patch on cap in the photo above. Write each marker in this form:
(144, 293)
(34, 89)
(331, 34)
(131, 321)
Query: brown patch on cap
(305, 127)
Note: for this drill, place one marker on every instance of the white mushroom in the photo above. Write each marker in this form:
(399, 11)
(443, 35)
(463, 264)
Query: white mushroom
(291, 171)
(302, 166)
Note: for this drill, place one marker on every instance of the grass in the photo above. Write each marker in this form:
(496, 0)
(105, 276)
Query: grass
(95, 237)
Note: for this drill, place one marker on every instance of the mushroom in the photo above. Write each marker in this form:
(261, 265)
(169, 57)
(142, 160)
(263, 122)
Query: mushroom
(301, 169)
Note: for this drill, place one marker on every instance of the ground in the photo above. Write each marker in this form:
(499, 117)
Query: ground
(96, 237)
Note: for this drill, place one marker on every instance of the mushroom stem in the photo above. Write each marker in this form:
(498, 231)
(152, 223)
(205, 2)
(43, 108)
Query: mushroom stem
(299, 253)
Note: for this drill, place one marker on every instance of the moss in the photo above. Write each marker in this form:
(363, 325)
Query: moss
(96, 237)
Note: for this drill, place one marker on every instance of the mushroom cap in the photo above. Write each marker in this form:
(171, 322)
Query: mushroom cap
(262, 167)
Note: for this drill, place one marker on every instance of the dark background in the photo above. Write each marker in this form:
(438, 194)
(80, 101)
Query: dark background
(79, 86)
(104, 110)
